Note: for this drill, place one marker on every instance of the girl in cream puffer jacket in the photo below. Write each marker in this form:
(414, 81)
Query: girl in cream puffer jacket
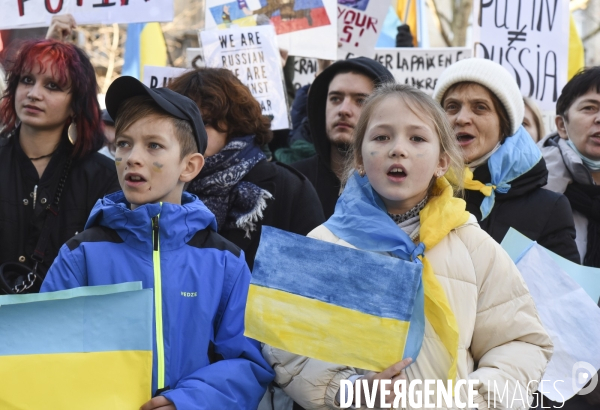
(501, 341)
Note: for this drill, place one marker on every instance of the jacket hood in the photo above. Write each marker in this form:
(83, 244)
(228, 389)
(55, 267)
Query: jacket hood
(177, 223)
(317, 96)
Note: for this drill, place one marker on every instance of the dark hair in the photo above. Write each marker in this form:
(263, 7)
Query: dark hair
(141, 106)
(585, 80)
(226, 104)
(504, 120)
(69, 65)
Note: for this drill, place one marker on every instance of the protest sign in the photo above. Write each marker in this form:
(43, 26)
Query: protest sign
(82, 348)
(194, 57)
(157, 77)
(251, 53)
(565, 310)
(530, 39)
(305, 71)
(27, 14)
(419, 67)
(304, 27)
(359, 26)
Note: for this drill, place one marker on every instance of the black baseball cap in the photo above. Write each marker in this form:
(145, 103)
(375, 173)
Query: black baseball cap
(173, 103)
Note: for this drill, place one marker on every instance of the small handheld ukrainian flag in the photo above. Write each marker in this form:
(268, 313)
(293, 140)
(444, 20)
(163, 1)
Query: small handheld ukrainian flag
(85, 348)
(334, 303)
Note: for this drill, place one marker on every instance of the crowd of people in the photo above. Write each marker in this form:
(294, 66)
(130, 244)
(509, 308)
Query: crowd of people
(180, 196)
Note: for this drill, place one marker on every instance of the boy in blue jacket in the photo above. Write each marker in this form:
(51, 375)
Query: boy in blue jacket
(155, 233)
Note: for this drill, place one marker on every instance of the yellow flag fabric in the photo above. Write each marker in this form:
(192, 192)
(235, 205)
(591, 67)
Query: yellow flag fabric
(153, 50)
(411, 19)
(442, 213)
(576, 53)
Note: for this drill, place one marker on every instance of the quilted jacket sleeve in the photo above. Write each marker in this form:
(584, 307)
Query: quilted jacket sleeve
(509, 346)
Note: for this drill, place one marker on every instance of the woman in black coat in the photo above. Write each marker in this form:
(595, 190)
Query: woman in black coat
(237, 183)
(505, 170)
(50, 172)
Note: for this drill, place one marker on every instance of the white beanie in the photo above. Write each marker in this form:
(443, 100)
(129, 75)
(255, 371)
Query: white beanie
(490, 75)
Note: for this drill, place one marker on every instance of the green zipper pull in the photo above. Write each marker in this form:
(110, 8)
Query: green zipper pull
(155, 232)
(158, 305)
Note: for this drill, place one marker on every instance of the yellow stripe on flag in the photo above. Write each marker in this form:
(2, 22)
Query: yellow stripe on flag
(76, 381)
(411, 19)
(153, 50)
(322, 331)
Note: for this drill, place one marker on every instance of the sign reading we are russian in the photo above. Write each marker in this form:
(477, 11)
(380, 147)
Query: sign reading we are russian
(251, 53)
(38, 13)
(419, 67)
(530, 39)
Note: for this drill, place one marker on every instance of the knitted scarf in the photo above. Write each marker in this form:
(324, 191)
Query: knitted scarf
(361, 219)
(235, 203)
(586, 199)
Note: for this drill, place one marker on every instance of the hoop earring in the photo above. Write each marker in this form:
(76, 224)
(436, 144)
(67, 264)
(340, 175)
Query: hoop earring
(72, 132)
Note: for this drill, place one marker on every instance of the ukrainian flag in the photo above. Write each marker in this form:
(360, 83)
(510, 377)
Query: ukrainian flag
(333, 303)
(145, 45)
(86, 348)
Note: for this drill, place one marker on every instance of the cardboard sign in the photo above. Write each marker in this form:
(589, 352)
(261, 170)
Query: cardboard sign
(359, 26)
(27, 14)
(251, 53)
(530, 39)
(304, 27)
(305, 71)
(420, 67)
(158, 77)
(194, 57)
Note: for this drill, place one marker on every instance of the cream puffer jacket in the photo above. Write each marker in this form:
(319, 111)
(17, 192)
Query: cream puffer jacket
(501, 337)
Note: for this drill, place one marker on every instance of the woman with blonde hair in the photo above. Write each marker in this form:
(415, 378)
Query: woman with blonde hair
(533, 121)
(480, 320)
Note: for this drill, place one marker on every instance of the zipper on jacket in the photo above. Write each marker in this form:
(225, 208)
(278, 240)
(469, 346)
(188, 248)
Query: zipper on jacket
(34, 195)
(160, 345)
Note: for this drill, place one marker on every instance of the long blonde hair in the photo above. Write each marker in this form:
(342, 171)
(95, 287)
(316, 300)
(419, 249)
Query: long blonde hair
(421, 105)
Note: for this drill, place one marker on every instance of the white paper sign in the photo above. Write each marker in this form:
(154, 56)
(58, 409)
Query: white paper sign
(38, 13)
(194, 57)
(158, 77)
(570, 317)
(530, 39)
(251, 53)
(305, 28)
(359, 26)
(420, 67)
(305, 71)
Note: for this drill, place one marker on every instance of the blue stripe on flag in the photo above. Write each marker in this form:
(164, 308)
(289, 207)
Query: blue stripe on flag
(132, 63)
(368, 282)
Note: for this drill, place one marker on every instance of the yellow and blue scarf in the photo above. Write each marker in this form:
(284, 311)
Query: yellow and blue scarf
(361, 219)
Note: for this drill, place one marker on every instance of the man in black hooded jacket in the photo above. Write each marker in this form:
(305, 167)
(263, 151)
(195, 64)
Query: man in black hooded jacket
(335, 101)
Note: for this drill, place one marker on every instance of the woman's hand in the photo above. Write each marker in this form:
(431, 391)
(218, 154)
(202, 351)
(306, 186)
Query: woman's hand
(393, 373)
(159, 403)
(61, 27)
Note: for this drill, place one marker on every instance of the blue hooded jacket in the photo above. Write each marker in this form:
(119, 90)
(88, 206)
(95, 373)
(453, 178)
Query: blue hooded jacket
(200, 283)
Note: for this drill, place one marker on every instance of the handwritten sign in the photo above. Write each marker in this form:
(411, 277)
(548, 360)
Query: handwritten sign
(37, 13)
(306, 28)
(359, 26)
(158, 77)
(419, 67)
(252, 55)
(305, 71)
(194, 57)
(530, 39)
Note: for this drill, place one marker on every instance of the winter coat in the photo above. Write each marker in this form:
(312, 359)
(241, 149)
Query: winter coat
(318, 168)
(203, 283)
(537, 213)
(21, 219)
(295, 206)
(564, 167)
(501, 337)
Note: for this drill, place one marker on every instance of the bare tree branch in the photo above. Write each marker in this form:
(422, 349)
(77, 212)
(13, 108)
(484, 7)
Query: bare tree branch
(433, 6)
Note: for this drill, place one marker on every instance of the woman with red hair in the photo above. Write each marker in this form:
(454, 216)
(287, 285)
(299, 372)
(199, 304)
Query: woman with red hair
(51, 172)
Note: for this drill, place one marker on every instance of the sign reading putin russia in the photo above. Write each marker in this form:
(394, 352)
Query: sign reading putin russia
(38, 13)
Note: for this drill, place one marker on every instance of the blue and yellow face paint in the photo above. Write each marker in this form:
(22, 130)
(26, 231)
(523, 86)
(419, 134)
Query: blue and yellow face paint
(332, 303)
(90, 350)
